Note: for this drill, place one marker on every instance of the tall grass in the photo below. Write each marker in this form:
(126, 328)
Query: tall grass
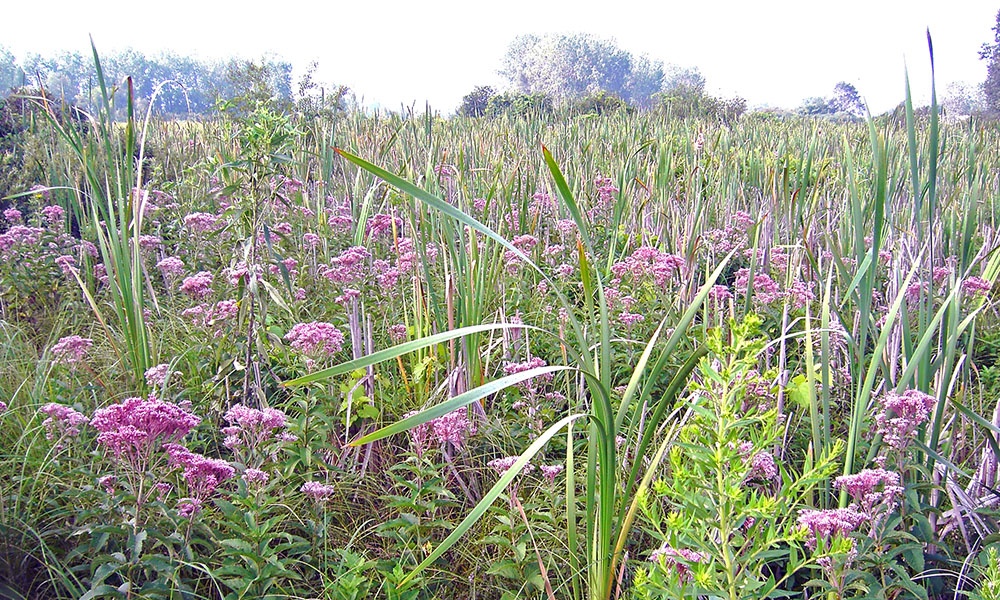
(111, 206)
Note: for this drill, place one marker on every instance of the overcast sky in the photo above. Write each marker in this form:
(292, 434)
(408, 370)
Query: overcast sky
(775, 52)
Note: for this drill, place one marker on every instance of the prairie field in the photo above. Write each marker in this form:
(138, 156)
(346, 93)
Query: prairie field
(618, 354)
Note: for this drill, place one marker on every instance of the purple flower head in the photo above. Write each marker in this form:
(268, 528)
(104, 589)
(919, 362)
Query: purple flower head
(171, 266)
(188, 507)
(800, 293)
(136, 426)
(157, 376)
(108, 483)
(202, 474)
(901, 415)
(418, 435)
(382, 224)
(201, 222)
(3, 406)
(67, 264)
(349, 266)
(976, 286)
(53, 214)
(824, 524)
(874, 490)
(62, 421)
(319, 492)
(453, 428)
(397, 332)
(762, 467)
(250, 428)
(255, 478)
(550, 472)
(678, 560)
(765, 289)
(71, 349)
(199, 285)
(502, 465)
(315, 338)
(12, 215)
(311, 239)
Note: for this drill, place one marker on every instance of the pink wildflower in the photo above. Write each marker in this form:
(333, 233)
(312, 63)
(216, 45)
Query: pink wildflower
(255, 477)
(108, 483)
(202, 474)
(453, 428)
(53, 214)
(381, 224)
(201, 222)
(678, 560)
(765, 289)
(502, 465)
(12, 215)
(71, 349)
(976, 286)
(762, 467)
(824, 524)
(157, 376)
(250, 428)
(62, 421)
(136, 426)
(550, 472)
(874, 490)
(315, 338)
(901, 415)
(317, 491)
(199, 285)
(170, 266)
(397, 332)
(418, 435)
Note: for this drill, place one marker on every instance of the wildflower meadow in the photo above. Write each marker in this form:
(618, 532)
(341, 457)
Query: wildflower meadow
(542, 354)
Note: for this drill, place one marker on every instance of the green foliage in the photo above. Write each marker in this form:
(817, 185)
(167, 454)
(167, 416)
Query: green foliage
(725, 513)
(990, 52)
(566, 67)
(476, 102)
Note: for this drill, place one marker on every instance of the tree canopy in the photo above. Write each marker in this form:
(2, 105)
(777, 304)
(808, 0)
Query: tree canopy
(568, 67)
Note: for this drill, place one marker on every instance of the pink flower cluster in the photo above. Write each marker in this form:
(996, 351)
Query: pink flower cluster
(678, 560)
(199, 285)
(53, 214)
(213, 316)
(397, 332)
(453, 428)
(381, 224)
(71, 349)
(873, 490)
(648, 262)
(825, 524)
(315, 338)
(319, 492)
(765, 289)
(731, 237)
(202, 474)
(502, 465)
(201, 222)
(171, 266)
(901, 415)
(62, 421)
(763, 467)
(135, 427)
(249, 428)
(976, 286)
(349, 266)
(157, 376)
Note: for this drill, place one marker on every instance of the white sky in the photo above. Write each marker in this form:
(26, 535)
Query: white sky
(773, 52)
